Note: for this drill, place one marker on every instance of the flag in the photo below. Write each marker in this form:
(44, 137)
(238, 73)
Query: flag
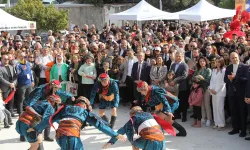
(165, 125)
(10, 97)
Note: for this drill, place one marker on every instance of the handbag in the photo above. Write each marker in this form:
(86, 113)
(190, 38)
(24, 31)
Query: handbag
(71, 86)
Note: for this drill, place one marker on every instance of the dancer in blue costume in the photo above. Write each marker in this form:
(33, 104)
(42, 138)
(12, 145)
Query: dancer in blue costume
(35, 119)
(108, 91)
(165, 104)
(72, 118)
(144, 124)
(44, 90)
(41, 93)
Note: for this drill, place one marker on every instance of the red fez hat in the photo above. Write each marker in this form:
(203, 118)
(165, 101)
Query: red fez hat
(140, 84)
(103, 76)
(56, 83)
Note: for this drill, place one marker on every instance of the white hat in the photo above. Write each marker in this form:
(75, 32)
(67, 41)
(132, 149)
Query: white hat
(157, 48)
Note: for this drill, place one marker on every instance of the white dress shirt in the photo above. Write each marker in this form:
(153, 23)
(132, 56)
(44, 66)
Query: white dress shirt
(59, 66)
(235, 68)
(44, 60)
(121, 52)
(139, 67)
(130, 66)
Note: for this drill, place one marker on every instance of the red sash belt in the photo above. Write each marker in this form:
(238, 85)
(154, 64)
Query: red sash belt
(152, 133)
(69, 128)
(30, 118)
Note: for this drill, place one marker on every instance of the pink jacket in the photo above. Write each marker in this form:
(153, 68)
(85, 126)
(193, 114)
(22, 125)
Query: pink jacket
(196, 98)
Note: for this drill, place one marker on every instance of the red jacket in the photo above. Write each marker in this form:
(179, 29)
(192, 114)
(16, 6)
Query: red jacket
(196, 97)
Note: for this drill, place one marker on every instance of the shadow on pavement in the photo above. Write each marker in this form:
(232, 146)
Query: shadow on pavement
(16, 140)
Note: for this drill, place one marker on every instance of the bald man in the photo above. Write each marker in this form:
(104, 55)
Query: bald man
(236, 79)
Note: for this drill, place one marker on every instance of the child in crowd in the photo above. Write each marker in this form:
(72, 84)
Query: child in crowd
(5, 115)
(195, 99)
(172, 89)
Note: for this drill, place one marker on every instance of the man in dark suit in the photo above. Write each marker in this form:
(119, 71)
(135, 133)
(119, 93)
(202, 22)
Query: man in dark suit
(236, 79)
(8, 80)
(181, 73)
(140, 72)
(247, 96)
(123, 48)
(165, 54)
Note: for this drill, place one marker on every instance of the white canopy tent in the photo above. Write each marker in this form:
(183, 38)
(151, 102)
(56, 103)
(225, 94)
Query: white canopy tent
(143, 11)
(9, 22)
(204, 11)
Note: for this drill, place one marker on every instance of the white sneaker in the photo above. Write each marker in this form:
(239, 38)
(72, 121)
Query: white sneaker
(208, 123)
(203, 121)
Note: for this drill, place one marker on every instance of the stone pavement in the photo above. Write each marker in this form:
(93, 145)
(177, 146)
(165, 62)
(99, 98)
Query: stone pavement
(204, 138)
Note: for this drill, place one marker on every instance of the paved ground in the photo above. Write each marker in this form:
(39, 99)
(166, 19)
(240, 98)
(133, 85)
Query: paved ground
(204, 138)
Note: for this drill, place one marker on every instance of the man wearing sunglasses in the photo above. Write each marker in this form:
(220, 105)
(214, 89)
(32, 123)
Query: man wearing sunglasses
(8, 81)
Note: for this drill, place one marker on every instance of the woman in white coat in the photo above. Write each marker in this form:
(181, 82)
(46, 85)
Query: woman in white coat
(217, 89)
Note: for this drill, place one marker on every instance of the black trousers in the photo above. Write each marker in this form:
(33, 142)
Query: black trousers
(42, 81)
(183, 103)
(238, 111)
(129, 94)
(197, 112)
(86, 90)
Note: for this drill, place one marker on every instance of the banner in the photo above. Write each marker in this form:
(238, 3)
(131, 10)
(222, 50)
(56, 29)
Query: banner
(240, 3)
(248, 6)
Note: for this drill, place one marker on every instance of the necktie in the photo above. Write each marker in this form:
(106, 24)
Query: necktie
(138, 71)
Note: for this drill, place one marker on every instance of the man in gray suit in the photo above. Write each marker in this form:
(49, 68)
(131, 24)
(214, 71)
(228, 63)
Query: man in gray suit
(181, 73)
(8, 80)
(126, 76)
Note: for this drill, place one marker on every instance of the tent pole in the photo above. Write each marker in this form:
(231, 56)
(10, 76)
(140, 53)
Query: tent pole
(8, 3)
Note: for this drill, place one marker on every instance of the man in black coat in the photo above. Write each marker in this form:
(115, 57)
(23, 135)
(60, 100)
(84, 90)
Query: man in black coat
(181, 73)
(140, 72)
(236, 79)
(247, 96)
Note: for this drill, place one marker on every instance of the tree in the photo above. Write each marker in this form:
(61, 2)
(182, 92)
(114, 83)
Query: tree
(46, 17)
(229, 4)
(3, 1)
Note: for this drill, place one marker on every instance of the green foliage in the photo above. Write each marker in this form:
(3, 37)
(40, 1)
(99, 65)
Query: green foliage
(229, 4)
(46, 17)
(95, 2)
(3, 1)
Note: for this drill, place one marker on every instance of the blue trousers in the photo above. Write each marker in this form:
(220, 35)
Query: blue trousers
(70, 143)
(22, 128)
(149, 145)
(104, 104)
